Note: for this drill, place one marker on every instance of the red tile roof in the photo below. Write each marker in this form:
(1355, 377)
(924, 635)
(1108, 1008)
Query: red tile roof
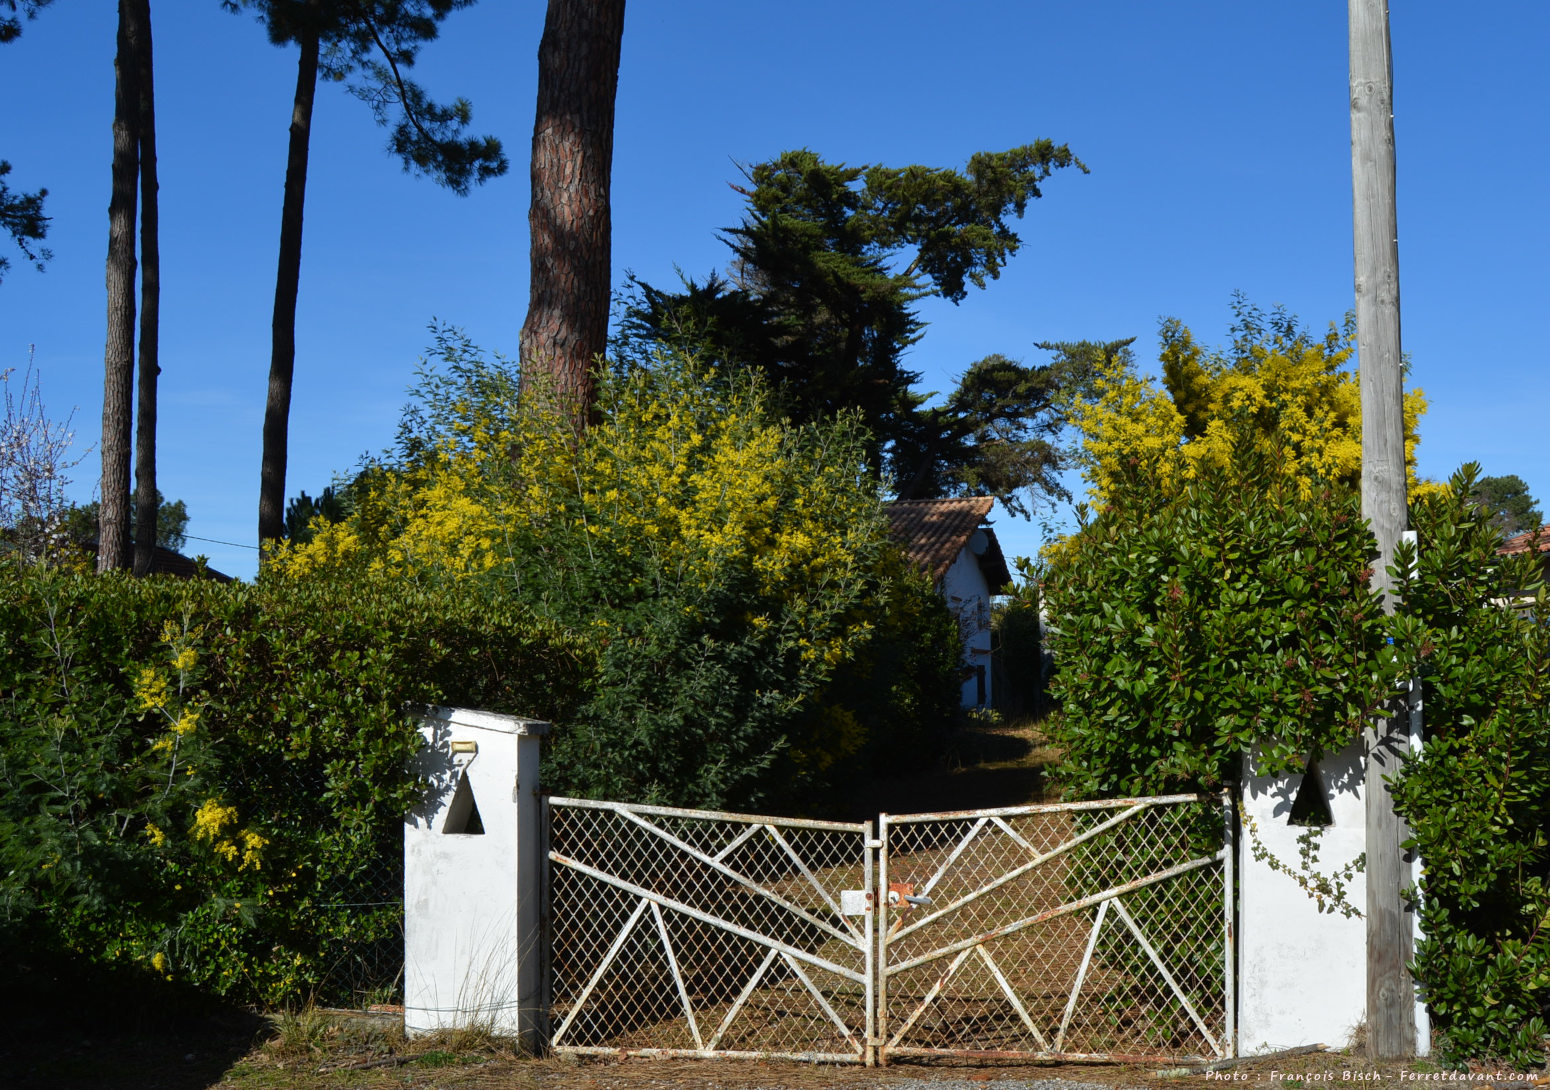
(1521, 542)
(933, 532)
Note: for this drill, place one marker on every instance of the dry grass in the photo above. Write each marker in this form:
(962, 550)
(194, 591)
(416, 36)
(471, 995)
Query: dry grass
(434, 1062)
(326, 1040)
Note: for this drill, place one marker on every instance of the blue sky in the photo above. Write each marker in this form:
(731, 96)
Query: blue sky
(1217, 134)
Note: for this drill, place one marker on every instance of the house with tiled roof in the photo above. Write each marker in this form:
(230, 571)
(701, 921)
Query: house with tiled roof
(951, 541)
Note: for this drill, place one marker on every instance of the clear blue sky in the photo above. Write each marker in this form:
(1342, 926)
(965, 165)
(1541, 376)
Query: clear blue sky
(1217, 133)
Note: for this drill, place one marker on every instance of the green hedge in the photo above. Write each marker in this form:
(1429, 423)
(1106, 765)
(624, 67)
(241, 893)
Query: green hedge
(202, 778)
(1478, 798)
(1194, 625)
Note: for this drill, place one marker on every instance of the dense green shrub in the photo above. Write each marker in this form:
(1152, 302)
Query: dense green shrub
(200, 778)
(1190, 625)
(1478, 798)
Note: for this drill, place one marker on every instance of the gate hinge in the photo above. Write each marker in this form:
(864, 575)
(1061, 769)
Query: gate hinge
(874, 844)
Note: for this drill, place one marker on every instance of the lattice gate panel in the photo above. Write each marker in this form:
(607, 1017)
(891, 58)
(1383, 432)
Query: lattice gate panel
(1090, 930)
(697, 933)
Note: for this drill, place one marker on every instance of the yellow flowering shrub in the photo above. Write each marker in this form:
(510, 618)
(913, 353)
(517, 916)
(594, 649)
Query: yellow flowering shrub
(723, 566)
(1220, 597)
(212, 826)
(151, 689)
(1277, 389)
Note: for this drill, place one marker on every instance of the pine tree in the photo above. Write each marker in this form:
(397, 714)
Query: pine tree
(147, 498)
(1508, 503)
(827, 266)
(21, 214)
(113, 537)
(375, 41)
(566, 329)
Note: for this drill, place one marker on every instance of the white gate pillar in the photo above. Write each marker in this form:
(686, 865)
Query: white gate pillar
(472, 868)
(1302, 974)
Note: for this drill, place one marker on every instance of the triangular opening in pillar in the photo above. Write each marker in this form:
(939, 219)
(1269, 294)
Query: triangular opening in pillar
(1311, 806)
(463, 812)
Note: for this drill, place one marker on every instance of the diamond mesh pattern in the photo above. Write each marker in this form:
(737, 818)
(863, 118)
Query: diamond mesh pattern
(1090, 930)
(1083, 949)
(705, 933)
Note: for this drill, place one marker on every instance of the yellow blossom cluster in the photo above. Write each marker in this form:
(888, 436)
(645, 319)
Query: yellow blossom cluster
(150, 689)
(678, 472)
(1285, 393)
(154, 689)
(212, 819)
(211, 824)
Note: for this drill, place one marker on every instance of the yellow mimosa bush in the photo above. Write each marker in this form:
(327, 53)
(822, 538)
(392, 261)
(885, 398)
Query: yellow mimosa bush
(1277, 386)
(1219, 595)
(725, 568)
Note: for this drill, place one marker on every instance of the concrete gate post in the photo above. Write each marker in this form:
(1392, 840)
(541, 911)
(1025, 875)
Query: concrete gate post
(473, 862)
(1302, 973)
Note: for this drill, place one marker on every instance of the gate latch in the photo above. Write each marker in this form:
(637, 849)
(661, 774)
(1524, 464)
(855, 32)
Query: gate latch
(901, 896)
(855, 902)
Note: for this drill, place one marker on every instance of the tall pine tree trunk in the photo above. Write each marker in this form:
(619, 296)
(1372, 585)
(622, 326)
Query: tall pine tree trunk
(150, 308)
(119, 356)
(573, 146)
(282, 360)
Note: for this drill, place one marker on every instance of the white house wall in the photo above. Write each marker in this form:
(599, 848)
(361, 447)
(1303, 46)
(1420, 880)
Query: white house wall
(968, 597)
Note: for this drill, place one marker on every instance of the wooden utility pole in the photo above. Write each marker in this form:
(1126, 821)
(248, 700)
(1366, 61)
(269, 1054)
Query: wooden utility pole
(1390, 991)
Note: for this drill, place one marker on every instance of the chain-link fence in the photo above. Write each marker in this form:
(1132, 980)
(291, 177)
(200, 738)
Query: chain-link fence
(338, 907)
(362, 908)
(1085, 930)
(675, 931)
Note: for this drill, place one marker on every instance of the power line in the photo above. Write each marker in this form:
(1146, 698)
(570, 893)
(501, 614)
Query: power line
(218, 541)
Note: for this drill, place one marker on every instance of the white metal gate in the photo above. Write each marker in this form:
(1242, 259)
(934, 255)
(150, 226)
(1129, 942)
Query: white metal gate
(1091, 930)
(1097, 930)
(686, 932)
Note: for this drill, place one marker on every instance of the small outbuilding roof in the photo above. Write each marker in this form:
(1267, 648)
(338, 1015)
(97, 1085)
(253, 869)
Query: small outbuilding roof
(934, 532)
(166, 562)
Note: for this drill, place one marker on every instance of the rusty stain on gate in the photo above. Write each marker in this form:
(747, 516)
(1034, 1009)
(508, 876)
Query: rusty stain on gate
(1098, 930)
